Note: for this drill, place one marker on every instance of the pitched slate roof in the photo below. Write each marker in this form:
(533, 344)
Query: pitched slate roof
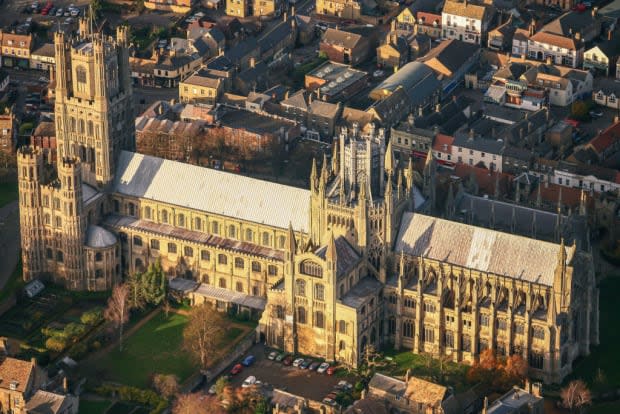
(347, 256)
(452, 54)
(44, 402)
(554, 40)
(341, 38)
(477, 248)
(212, 191)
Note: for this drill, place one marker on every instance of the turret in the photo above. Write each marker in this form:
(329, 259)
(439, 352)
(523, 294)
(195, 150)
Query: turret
(313, 177)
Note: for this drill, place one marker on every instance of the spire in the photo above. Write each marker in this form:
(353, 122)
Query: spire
(301, 248)
(292, 244)
(331, 255)
(324, 169)
(539, 196)
(429, 157)
(313, 175)
(410, 174)
(402, 264)
(335, 157)
(399, 185)
(562, 253)
(389, 160)
(363, 194)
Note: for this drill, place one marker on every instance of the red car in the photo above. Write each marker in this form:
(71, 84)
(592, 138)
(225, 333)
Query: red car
(288, 360)
(330, 370)
(236, 369)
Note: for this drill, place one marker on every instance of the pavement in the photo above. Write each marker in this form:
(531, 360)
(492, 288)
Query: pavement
(9, 241)
(302, 382)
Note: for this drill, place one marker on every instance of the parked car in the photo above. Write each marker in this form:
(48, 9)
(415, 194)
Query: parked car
(314, 366)
(236, 369)
(281, 357)
(249, 381)
(378, 73)
(345, 386)
(330, 370)
(75, 12)
(249, 360)
(272, 355)
(59, 12)
(322, 368)
(330, 399)
(288, 360)
(212, 390)
(305, 364)
(298, 362)
(596, 113)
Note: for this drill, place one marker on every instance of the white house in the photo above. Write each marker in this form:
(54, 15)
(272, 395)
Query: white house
(465, 21)
(565, 51)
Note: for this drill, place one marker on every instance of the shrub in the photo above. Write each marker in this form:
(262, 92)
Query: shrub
(92, 317)
(78, 351)
(95, 345)
(74, 331)
(55, 344)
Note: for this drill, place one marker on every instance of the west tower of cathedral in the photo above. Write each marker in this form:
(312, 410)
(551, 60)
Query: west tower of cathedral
(350, 262)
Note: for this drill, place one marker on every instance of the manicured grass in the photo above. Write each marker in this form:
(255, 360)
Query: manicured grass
(8, 193)
(154, 348)
(604, 356)
(93, 407)
(121, 408)
(422, 366)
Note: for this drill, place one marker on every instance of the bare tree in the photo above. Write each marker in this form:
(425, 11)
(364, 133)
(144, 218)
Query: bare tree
(166, 385)
(117, 310)
(197, 403)
(576, 395)
(203, 332)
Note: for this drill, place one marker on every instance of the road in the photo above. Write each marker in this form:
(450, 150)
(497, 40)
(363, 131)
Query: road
(9, 240)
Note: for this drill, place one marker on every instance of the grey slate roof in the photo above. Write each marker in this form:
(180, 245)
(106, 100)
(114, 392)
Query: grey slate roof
(98, 237)
(364, 289)
(481, 249)
(416, 78)
(212, 191)
(347, 256)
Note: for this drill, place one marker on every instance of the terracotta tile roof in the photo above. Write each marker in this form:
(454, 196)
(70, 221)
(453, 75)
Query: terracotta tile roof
(484, 178)
(606, 138)
(427, 19)
(554, 40)
(571, 196)
(441, 140)
(465, 9)
(17, 372)
(14, 40)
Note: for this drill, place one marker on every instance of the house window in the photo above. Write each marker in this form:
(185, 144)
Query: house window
(301, 315)
(155, 244)
(232, 231)
(249, 235)
(538, 332)
(222, 259)
(59, 256)
(342, 327)
(164, 216)
(239, 263)
(429, 334)
(215, 228)
(266, 239)
(205, 255)
(300, 288)
(137, 241)
(272, 270)
(180, 220)
(429, 307)
(319, 292)
(501, 324)
(172, 248)
(466, 343)
(256, 267)
(409, 302)
(239, 287)
(536, 360)
(188, 251)
(147, 213)
(519, 328)
(448, 339)
(222, 283)
(484, 319)
(319, 319)
(408, 329)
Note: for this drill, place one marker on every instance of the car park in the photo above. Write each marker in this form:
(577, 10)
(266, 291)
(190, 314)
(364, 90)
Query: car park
(305, 364)
(272, 355)
(281, 357)
(248, 360)
(322, 368)
(249, 381)
(236, 369)
(298, 362)
(314, 366)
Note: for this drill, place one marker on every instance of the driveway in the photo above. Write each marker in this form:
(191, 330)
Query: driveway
(302, 382)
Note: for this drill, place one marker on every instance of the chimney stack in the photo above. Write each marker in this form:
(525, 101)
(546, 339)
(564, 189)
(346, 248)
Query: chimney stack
(65, 385)
(252, 62)
(610, 34)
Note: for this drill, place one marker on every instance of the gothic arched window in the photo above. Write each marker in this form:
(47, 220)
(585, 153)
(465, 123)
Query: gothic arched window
(300, 288)
(301, 315)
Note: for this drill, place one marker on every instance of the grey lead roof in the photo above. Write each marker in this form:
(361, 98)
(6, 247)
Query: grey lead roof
(481, 249)
(212, 191)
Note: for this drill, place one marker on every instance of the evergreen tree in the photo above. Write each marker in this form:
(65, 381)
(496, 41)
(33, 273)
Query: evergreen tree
(154, 284)
(136, 296)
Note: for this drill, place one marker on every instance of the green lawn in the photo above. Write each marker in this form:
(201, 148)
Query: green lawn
(605, 356)
(154, 348)
(93, 407)
(8, 193)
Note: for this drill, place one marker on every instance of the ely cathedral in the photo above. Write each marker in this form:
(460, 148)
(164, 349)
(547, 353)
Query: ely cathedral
(353, 261)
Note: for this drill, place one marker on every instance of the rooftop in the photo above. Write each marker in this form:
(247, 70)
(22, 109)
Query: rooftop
(213, 191)
(15, 373)
(336, 76)
(481, 249)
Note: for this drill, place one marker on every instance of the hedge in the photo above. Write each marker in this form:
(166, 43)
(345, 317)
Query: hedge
(137, 395)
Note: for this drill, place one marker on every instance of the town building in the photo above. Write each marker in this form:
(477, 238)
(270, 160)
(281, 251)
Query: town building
(450, 61)
(20, 381)
(43, 57)
(346, 46)
(466, 21)
(175, 6)
(8, 133)
(345, 9)
(335, 82)
(16, 49)
(351, 262)
(602, 57)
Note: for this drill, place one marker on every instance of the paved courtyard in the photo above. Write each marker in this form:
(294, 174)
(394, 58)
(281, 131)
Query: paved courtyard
(308, 384)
